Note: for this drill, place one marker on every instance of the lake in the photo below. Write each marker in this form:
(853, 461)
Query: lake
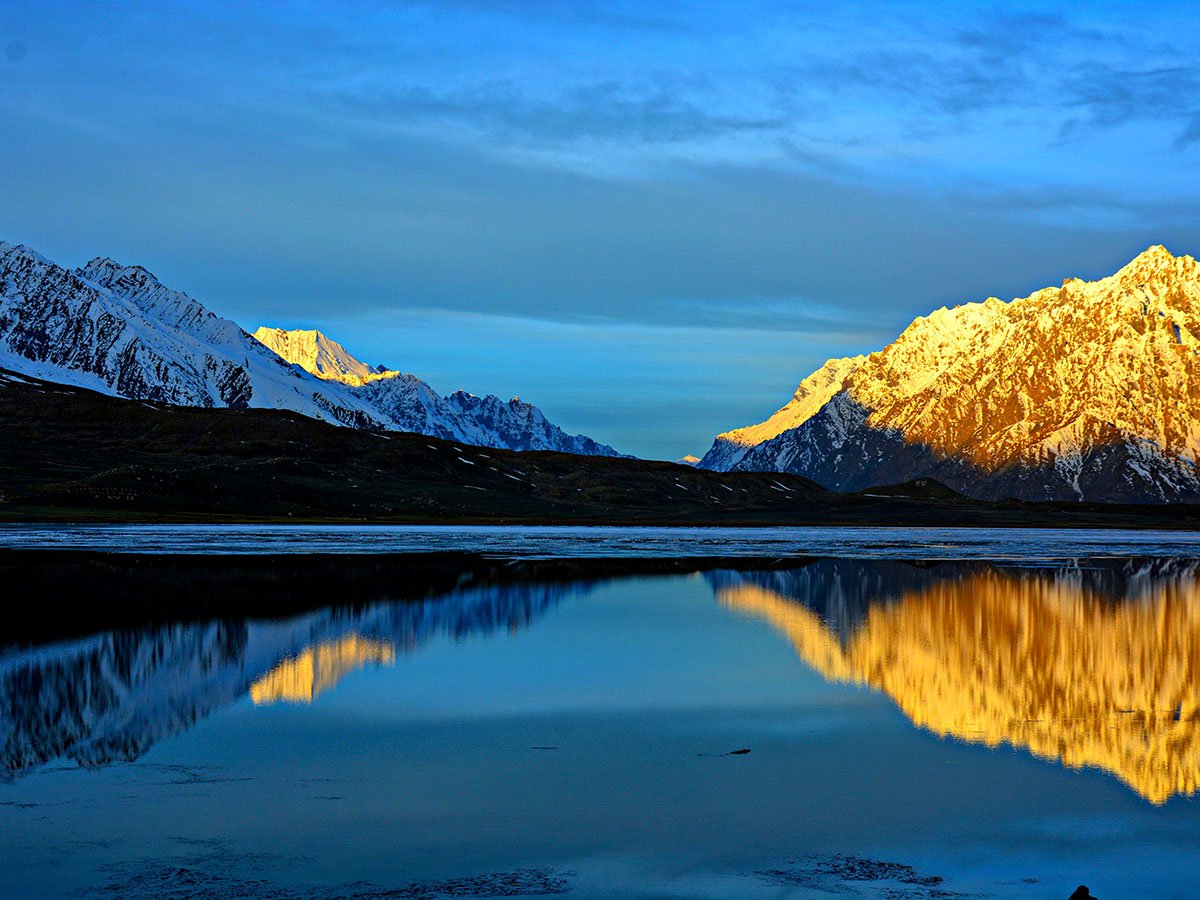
(892, 714)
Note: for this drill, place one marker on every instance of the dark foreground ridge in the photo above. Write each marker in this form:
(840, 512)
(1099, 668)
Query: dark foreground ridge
(69, 454)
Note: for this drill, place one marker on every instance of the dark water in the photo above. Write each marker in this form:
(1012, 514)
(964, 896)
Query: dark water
(959, 728)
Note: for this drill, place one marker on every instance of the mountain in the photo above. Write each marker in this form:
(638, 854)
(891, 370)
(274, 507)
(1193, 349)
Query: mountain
(814, 392)
(415, 406)
(118, 330)
(1088, 391)
(71, 453)
(688, 460)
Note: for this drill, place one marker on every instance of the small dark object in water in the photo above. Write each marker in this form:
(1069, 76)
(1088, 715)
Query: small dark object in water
(543, 748)
(741, 752)
(1082, 893)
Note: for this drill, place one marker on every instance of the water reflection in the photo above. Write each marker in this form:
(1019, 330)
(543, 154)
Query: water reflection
(301, 678)
(111, 697)
(1092, 666)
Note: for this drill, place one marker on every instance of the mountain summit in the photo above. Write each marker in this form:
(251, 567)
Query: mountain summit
(1088, 391)
(322, 356)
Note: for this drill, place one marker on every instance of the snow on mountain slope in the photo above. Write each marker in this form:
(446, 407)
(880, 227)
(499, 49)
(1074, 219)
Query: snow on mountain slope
(413, 405)
(117, 329)
(1086, 391)
(522, 426)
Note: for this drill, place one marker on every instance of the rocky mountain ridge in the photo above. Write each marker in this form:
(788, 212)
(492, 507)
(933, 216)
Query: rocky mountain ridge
(1088, 391)
(415, 406)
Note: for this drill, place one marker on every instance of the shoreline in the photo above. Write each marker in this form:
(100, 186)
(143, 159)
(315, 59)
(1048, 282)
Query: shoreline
(916, 515)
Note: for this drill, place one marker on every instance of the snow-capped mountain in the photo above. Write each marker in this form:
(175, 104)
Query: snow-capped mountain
(118, 330)
(1086, 391)
(814, 392)
(415, 406)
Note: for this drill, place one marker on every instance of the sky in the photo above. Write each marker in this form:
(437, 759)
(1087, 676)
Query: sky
(649, 219)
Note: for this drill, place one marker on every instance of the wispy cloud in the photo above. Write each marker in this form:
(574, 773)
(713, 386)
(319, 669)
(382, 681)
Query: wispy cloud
(652, 111)
(1107, 97)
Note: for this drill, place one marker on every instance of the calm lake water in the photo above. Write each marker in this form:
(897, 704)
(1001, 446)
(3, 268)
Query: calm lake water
(915, 730)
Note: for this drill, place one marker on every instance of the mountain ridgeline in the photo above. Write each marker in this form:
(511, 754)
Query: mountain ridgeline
(412, 405)
(118, 330)
(1088, 391)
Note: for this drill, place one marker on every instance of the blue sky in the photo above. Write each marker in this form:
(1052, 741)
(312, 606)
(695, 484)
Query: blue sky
(650, 219)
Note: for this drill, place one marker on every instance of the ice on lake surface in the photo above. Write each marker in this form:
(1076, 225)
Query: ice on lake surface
(566, 541)
(916, 729)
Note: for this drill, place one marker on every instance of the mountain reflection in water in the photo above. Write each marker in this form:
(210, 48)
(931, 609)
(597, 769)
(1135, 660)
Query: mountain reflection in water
(301, 678)
(1092, 664)
(1095, 665)
(111, 697)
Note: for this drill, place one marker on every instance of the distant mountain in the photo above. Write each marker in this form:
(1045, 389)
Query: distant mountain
(688, 460)
(117, 329)
(413, 405)
(1088, 391)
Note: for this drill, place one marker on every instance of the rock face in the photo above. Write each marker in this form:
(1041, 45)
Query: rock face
(320, 355)
(1089, 391)
(118, 330)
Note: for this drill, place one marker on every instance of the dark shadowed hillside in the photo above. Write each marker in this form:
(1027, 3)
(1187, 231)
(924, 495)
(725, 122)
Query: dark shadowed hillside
(72, 454)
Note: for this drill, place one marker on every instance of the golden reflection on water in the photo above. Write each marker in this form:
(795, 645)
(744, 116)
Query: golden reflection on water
(301, 678)
(1035, 660)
